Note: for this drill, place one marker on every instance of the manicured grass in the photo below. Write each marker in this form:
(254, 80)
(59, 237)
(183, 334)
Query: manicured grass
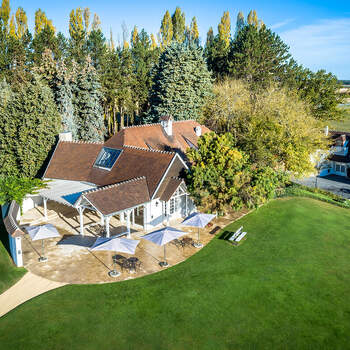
(9, 273)
(342, 125)
(286, 287)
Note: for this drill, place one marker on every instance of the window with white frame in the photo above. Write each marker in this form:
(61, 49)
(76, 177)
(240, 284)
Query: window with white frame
(337, 167)
(342, 169)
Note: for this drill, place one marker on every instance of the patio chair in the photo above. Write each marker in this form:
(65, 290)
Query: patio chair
(187, 241)
(177, 243)
(120, 260)
(133, 263)
(236, 234)
(241, 236)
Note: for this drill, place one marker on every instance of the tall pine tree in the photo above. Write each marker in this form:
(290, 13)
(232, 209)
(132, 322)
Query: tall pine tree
(181, 83)
(87, 104)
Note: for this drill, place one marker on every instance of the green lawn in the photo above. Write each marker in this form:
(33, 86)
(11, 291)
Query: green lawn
(343, 125)
(286, 287)
(9, 273)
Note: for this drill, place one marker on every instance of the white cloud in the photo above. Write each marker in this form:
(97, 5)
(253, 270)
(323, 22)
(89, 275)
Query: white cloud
(325, 44)
(282, 24)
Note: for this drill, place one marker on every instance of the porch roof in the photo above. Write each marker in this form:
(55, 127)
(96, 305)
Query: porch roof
(65, 191)
(170, 188)
(112, 199)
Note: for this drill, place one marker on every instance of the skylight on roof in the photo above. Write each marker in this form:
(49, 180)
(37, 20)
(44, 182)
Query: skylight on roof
(107, 158)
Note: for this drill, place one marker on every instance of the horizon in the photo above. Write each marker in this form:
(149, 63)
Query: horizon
(316, 32)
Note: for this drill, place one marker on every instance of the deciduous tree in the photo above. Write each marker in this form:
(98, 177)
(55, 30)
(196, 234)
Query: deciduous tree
(166, 30)
(179, 23)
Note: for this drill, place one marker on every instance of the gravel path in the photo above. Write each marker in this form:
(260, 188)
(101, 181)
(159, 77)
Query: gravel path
(29, 286)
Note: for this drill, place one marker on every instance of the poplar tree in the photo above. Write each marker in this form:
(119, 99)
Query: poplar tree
(154, 42)
(252, 18)
(86, 15)
(181, 83)
(110, 80)
(194, 33)
(96, 23)
(41, 21)
(217, 48)
(240, 23)
(77, 45)
(224, 29)
(5, 12)
(166, 30)
(12, 28)
(126, 102)
(144, 58)
(21, 23)
(134, 37)
(178, 20)
(210, 37)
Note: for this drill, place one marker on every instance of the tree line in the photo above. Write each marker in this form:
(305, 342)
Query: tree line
(242, 82)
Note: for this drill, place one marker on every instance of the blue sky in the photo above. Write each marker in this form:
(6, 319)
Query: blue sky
(317, 31)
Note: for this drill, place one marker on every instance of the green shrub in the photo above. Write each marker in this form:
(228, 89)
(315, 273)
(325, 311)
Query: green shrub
(296, 190)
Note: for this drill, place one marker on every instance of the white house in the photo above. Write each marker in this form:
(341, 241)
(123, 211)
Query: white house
(338, 161)
(136, 174)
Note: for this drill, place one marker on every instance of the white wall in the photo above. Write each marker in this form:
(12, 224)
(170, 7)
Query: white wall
(154, 214)
(31, 202)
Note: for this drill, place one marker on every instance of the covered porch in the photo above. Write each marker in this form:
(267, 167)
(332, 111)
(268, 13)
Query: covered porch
(71, 195)
(69, 259)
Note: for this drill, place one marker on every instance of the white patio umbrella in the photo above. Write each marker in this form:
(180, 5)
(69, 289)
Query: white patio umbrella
(121, 245)
(199, 220)
(162, 237)
(42, 232)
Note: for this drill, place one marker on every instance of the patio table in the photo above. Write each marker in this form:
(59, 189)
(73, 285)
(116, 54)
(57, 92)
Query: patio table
(187, 241)
(177, 243)
(132, 264)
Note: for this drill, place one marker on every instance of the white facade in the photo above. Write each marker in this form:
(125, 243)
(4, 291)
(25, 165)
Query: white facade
(158, 212)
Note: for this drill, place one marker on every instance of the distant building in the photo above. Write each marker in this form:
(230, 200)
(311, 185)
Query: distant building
(338, 160)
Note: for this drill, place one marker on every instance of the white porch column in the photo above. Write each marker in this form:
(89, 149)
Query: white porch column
(107, 225)
(145, 217)
(133, 217)
(167, 212)
(122, 219)
(102, 220)
(81, 220)
(128, 222)
(45, 208)
(186, 213)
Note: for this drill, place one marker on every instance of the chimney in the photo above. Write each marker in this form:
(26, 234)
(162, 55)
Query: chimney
(326, 130)
(65, 136)
(166, 122)
(198, 130)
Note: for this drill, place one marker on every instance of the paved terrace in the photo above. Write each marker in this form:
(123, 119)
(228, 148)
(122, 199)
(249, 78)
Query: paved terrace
(70, 261)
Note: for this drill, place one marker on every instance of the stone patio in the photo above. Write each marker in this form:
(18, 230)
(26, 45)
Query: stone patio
(70, 261)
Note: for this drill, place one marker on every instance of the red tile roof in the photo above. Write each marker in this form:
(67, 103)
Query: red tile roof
(111, 199)
(153, 136)
(74, 161)
(171, 186)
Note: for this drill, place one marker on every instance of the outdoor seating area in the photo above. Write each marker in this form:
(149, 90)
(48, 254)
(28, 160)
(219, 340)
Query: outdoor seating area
(238, 236)
(70, 258)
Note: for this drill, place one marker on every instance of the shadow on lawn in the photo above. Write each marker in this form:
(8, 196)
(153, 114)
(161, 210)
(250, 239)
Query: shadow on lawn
(225, 235)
